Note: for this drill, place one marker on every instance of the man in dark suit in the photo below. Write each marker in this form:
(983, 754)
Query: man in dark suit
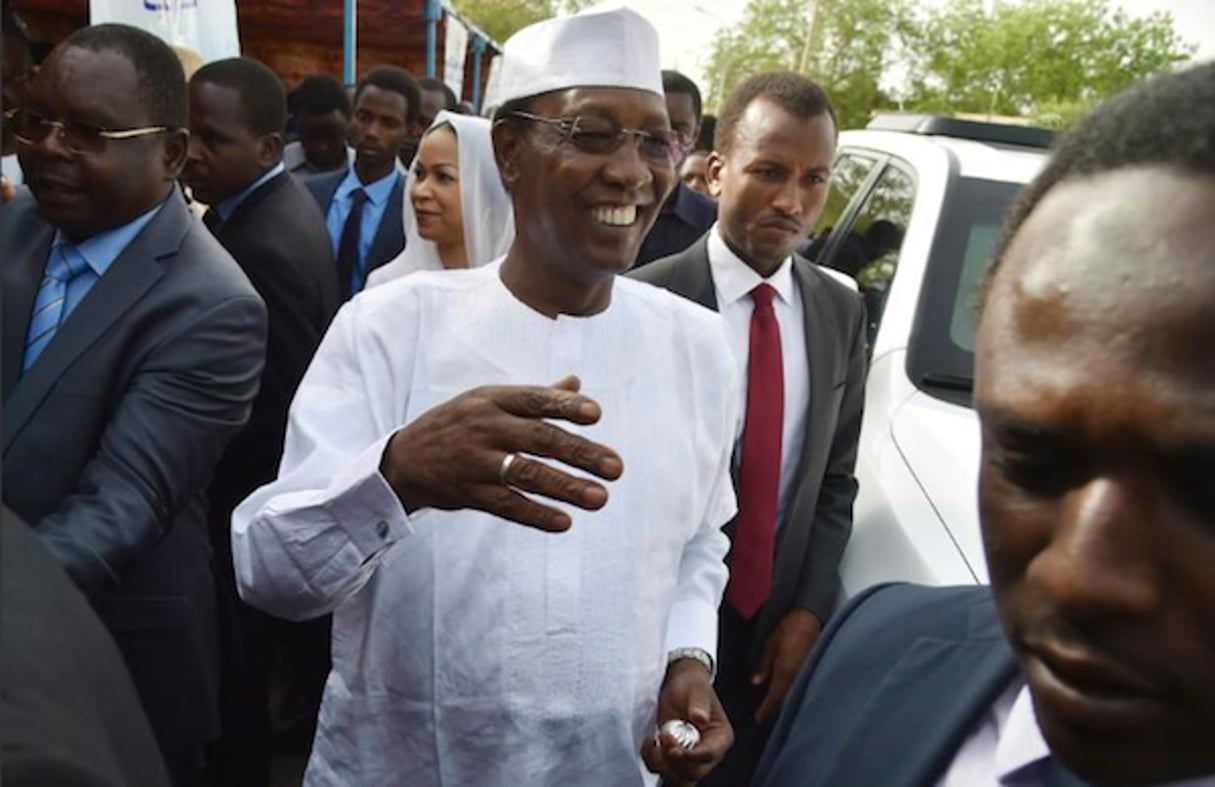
(686, 215)
(385, 114)
(799, 337)
(276, 233)
(1091, 659)
(133, 347)
(70, 714)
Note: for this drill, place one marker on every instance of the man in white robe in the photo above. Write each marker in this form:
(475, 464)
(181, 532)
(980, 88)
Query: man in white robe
(481, 635)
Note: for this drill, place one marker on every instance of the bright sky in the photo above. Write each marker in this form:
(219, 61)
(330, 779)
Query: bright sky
(687, 27)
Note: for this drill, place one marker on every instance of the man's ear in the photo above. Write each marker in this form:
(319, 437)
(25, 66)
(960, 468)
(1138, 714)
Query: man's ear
(714, 164)
(270, 149)
(508, 146)
(176, 146)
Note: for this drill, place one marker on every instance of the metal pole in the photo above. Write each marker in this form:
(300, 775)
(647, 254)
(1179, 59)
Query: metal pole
(434, 12)
(349, 42)
(478, 46)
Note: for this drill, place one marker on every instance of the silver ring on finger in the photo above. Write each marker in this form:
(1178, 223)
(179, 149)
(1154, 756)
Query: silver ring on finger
(504, 469)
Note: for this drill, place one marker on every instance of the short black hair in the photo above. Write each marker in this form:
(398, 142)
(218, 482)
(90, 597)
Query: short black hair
(162, 82)
(1166, 120)
(450, 102)
(320, 94)
(796, 94)
(262, 98)
(675, 82)
(708, 128)
(397, 80)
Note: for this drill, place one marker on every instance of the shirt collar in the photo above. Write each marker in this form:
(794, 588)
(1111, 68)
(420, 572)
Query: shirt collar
(100, 250)
(377, 192)
(734, 279)
(226, 208)
(1021, 744)
(1020, 741)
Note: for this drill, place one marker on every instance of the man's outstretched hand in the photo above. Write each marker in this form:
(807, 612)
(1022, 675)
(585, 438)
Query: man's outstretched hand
(451, 456)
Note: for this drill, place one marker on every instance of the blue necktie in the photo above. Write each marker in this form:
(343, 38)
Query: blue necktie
(64, 265)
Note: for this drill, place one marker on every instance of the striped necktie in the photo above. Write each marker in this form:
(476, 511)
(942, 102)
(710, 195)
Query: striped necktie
(64, 264)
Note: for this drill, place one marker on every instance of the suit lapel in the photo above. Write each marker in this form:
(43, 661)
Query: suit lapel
(22, 275)
(693, 278)
(926, 707)
(390, 232)
(249, 205)
(133, 273)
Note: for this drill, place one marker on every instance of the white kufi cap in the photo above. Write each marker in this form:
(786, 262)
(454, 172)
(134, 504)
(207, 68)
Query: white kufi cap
(605, 46)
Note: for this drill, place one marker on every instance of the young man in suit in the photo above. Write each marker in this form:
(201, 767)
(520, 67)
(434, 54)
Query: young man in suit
(685, 215)
(134, 346)
(799, 339)
(386, 107)
(1091, 659)
(276, 233)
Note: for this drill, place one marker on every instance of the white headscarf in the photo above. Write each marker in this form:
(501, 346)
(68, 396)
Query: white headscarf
(489, 220)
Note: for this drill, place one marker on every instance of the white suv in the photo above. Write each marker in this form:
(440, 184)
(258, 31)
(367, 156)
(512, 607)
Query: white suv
(915, 208)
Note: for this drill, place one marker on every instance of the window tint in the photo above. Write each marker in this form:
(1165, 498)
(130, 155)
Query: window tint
(870, 251)
(847, 176)
(940, 357)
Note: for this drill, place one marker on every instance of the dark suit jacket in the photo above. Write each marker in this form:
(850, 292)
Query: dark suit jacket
(389, 240)
(895, 685)
(685, 217)
(111, 438)
(819, 517)
(277, 235)
(70, 714)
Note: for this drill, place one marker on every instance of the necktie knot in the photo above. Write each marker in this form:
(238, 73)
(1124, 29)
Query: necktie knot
(357, 198)
(763, 295)
(65, 264)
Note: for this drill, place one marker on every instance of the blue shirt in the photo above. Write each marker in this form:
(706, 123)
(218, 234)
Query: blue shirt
(378, 194)
(226, 208)
(99, 252)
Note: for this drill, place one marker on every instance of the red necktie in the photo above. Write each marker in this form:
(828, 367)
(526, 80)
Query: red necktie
(759, 471)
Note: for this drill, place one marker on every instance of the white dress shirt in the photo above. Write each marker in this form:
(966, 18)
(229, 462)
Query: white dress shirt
(733, 280)
(468, 650)
(12, 170)
(1006, 748)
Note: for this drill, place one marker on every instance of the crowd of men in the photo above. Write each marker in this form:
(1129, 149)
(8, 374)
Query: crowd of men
(498, 526)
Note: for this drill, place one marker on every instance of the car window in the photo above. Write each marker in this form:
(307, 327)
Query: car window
(869, 252)
(940, 357)
(848, 175)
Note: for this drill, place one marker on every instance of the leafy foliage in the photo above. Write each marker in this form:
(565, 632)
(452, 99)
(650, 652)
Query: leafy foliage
(1044, 60)
(502, 18)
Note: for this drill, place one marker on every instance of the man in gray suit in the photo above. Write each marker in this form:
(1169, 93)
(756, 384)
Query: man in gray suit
(799, 337)
(132, 353)
(1091, 658)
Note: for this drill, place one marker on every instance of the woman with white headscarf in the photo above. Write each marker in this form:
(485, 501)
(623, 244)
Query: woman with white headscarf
(458, 214)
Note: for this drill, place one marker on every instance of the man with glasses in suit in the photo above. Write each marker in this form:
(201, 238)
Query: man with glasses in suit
(133, 348)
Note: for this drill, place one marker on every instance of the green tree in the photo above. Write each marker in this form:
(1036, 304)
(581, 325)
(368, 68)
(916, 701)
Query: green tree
(501, 18)
(1048, 60)
(844, 45)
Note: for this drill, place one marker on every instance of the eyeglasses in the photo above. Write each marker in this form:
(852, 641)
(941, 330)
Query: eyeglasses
(601, 136)
(30, 128)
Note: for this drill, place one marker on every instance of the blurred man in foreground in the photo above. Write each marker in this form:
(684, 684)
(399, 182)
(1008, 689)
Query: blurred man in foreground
(1091, 659)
